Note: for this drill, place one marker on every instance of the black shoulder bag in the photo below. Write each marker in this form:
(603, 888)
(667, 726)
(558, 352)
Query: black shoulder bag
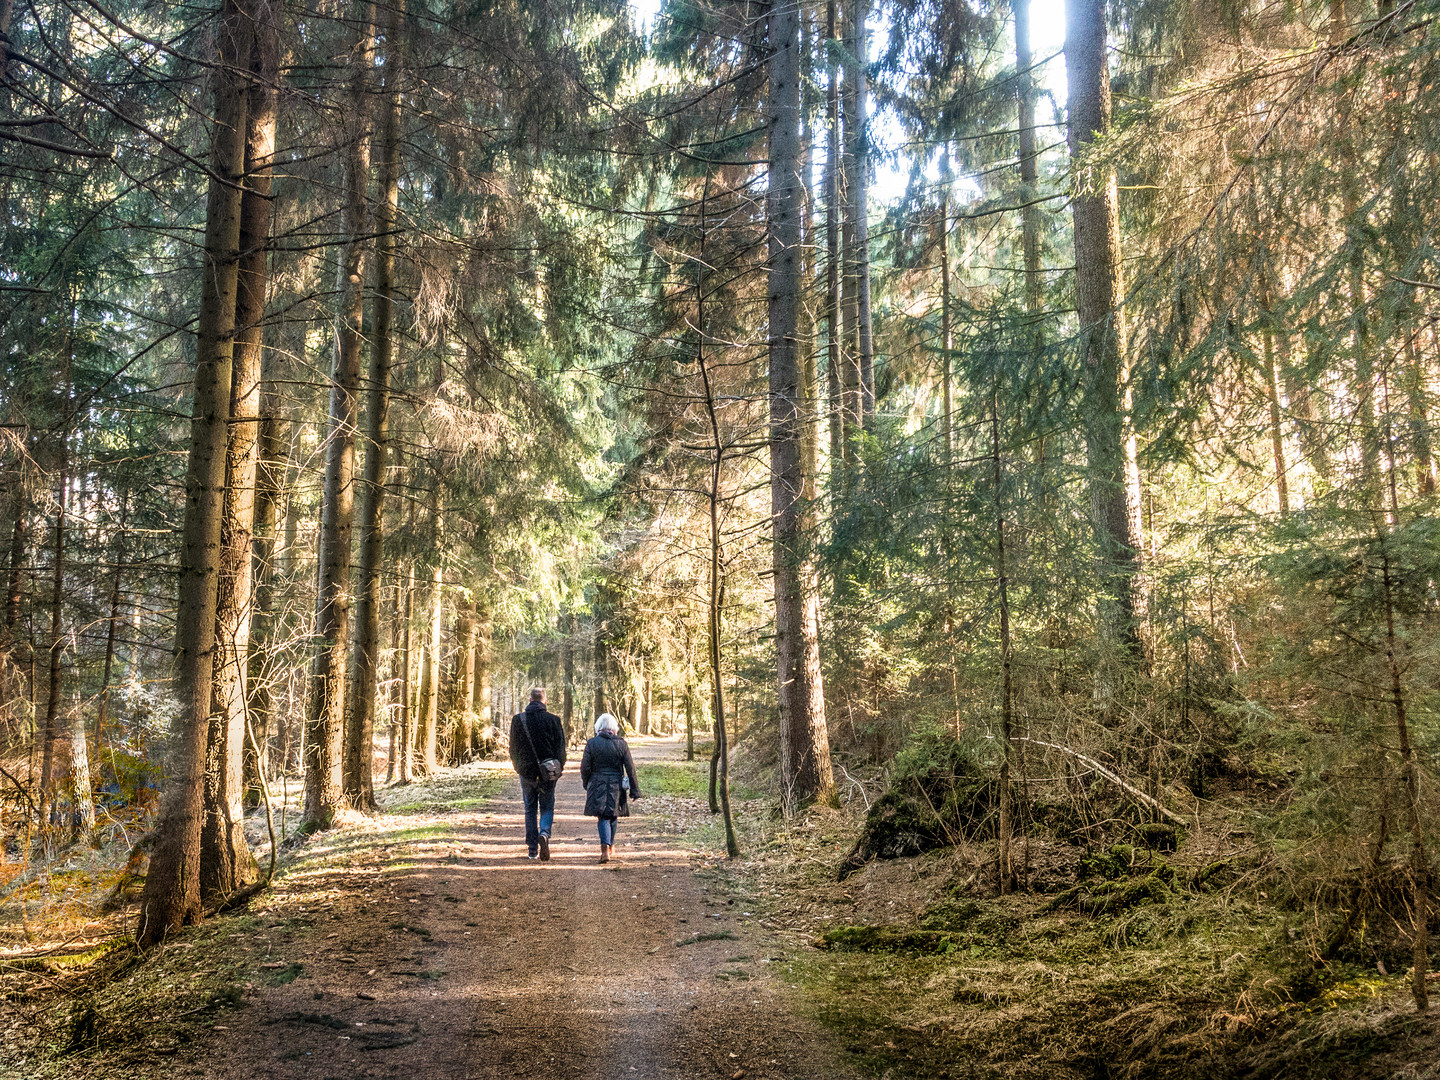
(550, 768)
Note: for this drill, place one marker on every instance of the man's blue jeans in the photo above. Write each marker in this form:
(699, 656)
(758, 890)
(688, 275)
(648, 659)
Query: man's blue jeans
(539, 800)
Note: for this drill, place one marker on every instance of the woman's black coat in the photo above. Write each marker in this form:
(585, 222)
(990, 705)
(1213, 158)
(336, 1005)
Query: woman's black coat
(607, 758)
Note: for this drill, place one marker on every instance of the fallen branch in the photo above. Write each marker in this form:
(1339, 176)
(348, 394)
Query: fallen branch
(1129, 789)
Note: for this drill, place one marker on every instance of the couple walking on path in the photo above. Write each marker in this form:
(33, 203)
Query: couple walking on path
(607, 772)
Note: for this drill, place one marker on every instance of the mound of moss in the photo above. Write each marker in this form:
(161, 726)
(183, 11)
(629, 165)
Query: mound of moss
(1117, 879)
(877, 939)
(938, 796)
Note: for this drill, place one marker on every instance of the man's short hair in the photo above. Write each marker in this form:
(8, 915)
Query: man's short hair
(537, 693)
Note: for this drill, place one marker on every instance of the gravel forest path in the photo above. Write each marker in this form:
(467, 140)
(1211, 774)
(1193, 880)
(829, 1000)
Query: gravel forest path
(442, 953)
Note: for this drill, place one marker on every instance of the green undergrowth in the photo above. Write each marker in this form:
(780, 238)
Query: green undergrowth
(1183, 988)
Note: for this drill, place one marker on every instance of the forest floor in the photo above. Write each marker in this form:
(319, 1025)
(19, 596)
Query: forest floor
(421, 942)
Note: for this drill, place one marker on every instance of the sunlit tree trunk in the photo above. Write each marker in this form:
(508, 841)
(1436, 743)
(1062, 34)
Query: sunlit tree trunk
(857, 129)
(427, 741)
(171, 896)
(357, 779)
(1098, 295)
(263, 665)
(833, 272)
(112, 624)
(850, 385)
(804, 739)
(1029, 158)
(226, 864)
(406, 742)
(50, 730)
(325, 713)
(483, 660)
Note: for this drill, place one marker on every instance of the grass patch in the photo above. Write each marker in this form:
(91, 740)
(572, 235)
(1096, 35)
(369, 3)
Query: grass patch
(689, 779)
(709, 935)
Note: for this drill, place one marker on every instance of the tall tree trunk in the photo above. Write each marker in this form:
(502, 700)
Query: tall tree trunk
(112, 624)
(858, 130)
(51, 728)
(464, 690)
(61, 465)
(689, 715)
(483, 659)
(1029, 158)
(947, 332)
(359, 785)
(263, 664)
(325, 713)
(226, 864)
(1006, 825)
(1277, 430)
(1098, 295)
(171, 896)
(834, 274)
(567, 716)
(850, 383)
(406, 768)
(804, 739)
(430, 679)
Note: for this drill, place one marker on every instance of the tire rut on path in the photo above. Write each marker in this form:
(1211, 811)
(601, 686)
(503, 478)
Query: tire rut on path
(472, 963)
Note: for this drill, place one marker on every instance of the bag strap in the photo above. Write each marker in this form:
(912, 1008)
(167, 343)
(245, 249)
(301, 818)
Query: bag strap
(525, 727)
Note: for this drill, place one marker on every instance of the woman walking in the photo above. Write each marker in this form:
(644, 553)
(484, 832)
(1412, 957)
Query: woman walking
(608, 772)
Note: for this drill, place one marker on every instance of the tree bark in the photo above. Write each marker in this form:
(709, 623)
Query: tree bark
(1029, 158)
(56, 652)
(263, 665)
(111, 624)
(325, 713)
(171, 897)
(226, 864)
(833, 271)
(804, 740)
(428, 735)
(858, 130)
(483, 717)
(1099, 292)
(358, 781)
(406, 767)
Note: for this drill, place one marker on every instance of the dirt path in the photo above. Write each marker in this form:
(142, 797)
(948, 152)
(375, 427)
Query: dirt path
(442, 952)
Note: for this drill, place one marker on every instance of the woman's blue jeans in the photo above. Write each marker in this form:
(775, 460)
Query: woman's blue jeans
(607, 830)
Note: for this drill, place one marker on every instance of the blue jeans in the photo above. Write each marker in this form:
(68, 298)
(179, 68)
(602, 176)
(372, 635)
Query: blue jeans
(539, 799)
(607, 830)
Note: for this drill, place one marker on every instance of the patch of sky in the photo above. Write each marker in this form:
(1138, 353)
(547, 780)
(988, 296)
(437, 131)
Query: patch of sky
(894, 155)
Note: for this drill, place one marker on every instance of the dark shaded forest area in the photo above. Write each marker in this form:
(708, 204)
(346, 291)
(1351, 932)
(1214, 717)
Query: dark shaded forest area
(992, 440)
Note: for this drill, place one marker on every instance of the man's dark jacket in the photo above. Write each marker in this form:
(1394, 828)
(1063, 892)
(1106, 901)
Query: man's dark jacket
(546, 734)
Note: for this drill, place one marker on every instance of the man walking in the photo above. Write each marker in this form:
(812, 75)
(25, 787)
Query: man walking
(537, 750)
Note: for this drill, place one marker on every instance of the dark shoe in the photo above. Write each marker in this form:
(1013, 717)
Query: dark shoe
(604, 853)
(544, 849)
(533, 856)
